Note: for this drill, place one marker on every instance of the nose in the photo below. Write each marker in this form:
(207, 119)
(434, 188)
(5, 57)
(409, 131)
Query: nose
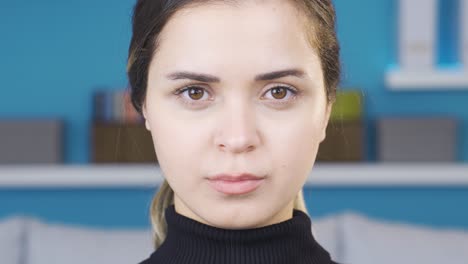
(238, 131)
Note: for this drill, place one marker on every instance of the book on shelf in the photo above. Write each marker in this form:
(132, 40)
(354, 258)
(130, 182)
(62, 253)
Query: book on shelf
(129, 112)
(344, 140)
(417, 34)
(118, 134)
(348, 105)
(464, 33)
(114, 106)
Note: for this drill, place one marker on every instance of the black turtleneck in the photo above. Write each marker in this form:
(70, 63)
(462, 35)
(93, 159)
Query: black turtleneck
(190, 241)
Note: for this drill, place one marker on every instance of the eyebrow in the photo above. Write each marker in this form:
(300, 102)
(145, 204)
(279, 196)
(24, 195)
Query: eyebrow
(213, 79)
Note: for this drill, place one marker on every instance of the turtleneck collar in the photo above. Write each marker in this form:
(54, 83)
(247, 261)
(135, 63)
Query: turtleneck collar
(190, 241)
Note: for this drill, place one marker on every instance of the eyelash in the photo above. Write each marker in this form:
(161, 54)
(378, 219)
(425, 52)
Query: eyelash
(180, 91)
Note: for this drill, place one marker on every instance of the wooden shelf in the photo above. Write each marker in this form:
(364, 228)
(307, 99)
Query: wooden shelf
(149, 175)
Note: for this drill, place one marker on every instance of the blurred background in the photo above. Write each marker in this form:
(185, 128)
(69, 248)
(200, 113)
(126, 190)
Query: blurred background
(77, 163)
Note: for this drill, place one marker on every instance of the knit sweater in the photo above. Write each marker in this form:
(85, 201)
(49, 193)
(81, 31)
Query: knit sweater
(190, 241)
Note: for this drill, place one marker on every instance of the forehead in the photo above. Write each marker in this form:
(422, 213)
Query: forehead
(253, 35)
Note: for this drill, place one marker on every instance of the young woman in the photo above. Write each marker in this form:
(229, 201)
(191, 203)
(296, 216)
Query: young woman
(237, 96)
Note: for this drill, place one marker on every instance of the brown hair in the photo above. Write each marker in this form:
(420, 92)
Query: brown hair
(149, 18)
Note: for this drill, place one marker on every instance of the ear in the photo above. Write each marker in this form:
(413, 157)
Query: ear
(145, 116)
(326, 119)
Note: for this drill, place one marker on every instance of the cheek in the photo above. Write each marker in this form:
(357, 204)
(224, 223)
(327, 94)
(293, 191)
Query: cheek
(294, 159)
(302, 135)
(178, 144)
(293, 147)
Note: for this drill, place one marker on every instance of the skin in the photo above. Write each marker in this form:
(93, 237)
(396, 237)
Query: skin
(238, 124)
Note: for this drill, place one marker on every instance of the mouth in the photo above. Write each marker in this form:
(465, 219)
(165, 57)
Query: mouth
(236, 184)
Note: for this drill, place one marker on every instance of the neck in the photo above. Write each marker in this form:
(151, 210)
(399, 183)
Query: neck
(190, 241)
(284, 214)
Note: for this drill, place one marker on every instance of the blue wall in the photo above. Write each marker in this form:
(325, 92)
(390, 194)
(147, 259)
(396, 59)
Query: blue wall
(55, 53)
(108, 208)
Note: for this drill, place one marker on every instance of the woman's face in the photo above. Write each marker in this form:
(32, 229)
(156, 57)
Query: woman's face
(256, 104)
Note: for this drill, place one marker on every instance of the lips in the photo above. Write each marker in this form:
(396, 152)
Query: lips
(235, 177)
(236, 184)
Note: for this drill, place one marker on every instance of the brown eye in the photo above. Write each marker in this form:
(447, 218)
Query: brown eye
(195, 93)
(192, 95)
(279, 92)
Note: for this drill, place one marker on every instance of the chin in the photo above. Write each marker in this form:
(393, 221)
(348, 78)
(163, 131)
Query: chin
(239, 218)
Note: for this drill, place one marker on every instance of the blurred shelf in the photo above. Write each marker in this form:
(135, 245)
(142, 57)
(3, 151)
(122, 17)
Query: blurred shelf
(149, 176)
(118, 143)
(441, 79)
